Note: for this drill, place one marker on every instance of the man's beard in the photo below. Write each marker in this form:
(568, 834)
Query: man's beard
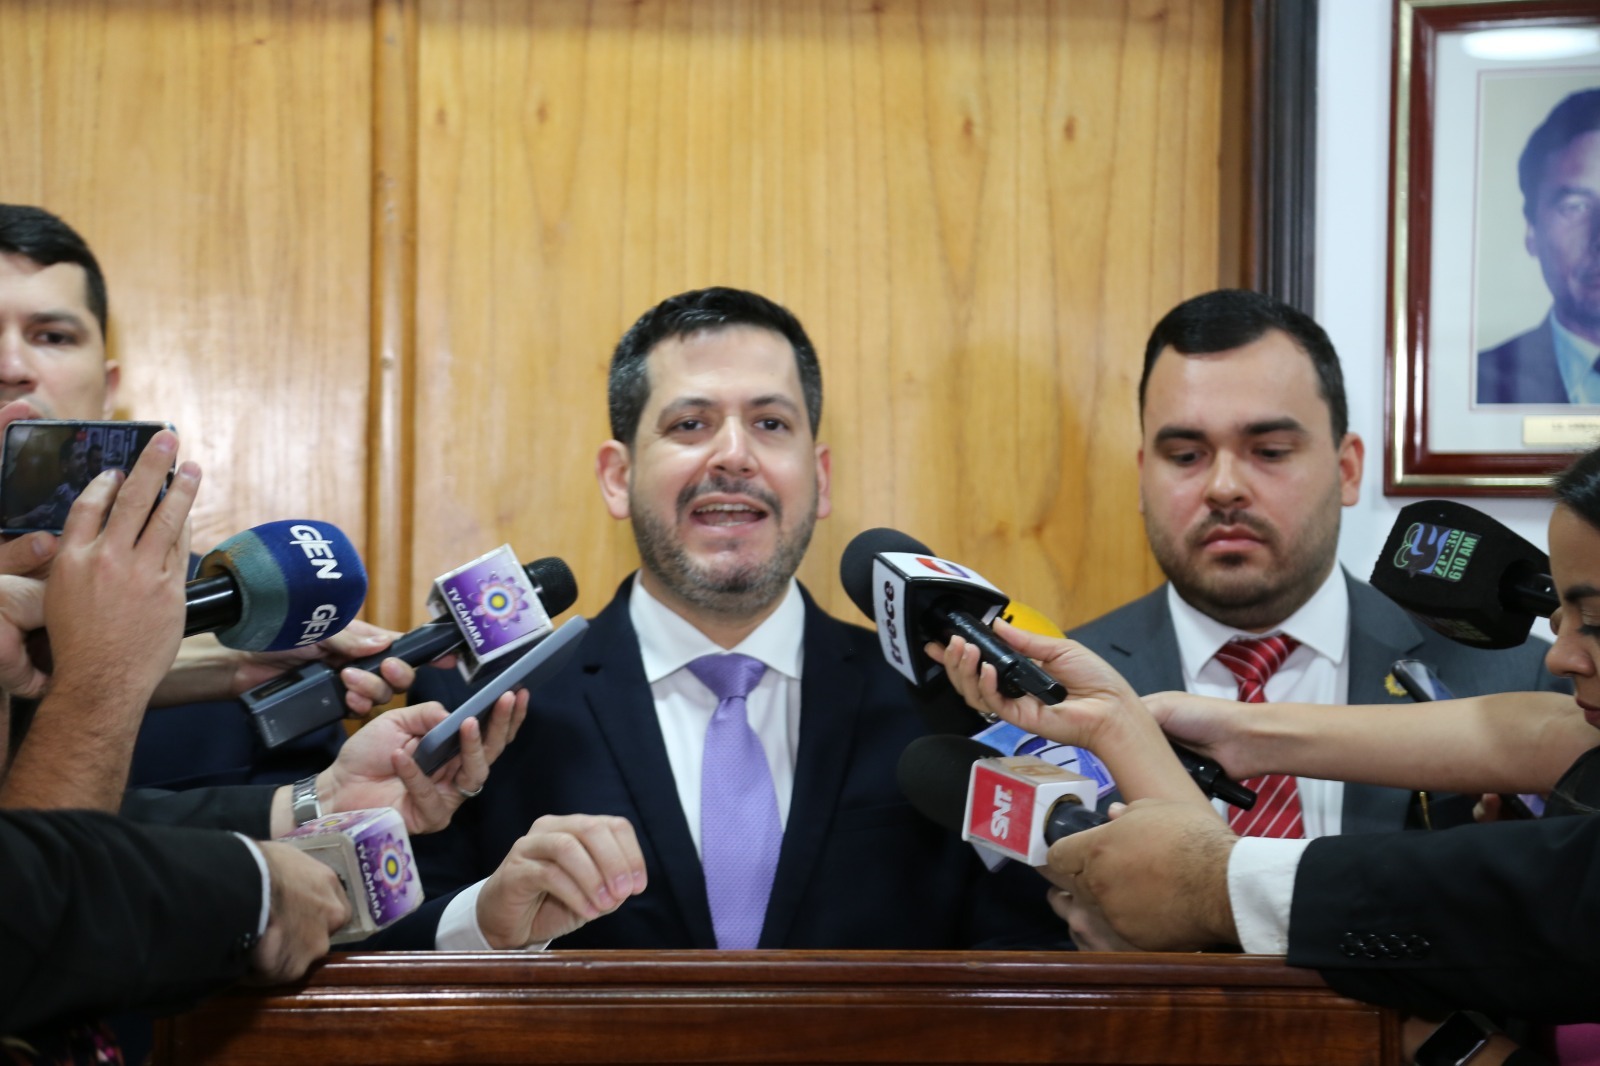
(1228, 590)
(734, 591)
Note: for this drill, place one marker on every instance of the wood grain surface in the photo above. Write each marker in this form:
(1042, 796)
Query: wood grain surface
(372, 257)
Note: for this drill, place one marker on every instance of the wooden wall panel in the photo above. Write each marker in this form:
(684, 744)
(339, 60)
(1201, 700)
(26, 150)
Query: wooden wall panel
(978, 210)
(216, 154)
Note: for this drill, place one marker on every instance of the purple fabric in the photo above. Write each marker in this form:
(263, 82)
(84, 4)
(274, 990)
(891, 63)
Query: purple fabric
(740, 834)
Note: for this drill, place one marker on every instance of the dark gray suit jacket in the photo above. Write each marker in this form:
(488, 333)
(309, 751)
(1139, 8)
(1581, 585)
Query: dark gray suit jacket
(1139, 641)
(1522, 370)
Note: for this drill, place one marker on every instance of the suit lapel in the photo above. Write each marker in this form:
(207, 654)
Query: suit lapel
(831, 685)
(1145, 648)
(1380, 633)
(619, 697)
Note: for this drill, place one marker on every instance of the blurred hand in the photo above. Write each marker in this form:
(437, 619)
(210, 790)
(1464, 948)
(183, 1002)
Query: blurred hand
(308, 906)
(1209, 725)
(23, 563)
(205, 670)
(1098, 698)
(114, 602)
(1155, 877)
(375, 767)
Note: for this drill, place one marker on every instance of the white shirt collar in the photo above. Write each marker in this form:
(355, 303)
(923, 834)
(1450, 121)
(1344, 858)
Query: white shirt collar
(1575, 357)
(668, 641)
(1322, 624)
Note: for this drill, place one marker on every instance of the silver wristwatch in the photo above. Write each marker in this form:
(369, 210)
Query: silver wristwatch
(307, 807)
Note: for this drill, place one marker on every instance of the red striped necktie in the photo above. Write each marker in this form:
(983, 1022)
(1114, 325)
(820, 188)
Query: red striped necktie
(1277, 810)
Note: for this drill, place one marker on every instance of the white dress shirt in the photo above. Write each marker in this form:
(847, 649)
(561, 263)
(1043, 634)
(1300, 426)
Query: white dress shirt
(1318, 671)
(1576, 358)
(684, 705)
(1261, 870)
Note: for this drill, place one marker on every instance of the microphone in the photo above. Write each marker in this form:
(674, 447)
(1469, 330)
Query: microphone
(370, 850)
(276, 586)
(1209, 775)
(1018, 805)
(311, 696)
(1423, 684)
(915, 597)
(1464, 575)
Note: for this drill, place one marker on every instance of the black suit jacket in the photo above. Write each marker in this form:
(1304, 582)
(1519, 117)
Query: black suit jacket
(1139, 641)
(1498, 917)
(1522, 370)
(859, 868)
(98, 914)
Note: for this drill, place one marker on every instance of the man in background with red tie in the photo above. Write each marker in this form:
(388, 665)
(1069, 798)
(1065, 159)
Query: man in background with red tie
(1245, 462)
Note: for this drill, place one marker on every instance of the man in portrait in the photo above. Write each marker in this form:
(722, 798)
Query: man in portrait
(1559, 172)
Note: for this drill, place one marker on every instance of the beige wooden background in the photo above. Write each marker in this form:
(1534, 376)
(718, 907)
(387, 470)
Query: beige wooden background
(371, 257)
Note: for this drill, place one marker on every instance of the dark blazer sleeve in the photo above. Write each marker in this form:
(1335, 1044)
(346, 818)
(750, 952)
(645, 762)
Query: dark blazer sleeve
(244, 809)
(1497, 917)
(99, 915)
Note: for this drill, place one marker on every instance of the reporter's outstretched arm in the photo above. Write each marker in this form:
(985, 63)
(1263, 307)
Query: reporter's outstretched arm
(1505, 742)
(114, 608)
(99, 915)
(1101, 712)
(206, 670)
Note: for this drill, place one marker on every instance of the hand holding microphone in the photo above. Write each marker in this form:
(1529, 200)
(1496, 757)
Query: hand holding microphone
(314, 695)
(915, 597)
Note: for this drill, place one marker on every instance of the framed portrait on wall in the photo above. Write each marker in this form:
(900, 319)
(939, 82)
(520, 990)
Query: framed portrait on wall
(1494, 245)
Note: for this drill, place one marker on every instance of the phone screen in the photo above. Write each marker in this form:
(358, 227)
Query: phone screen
(45, 465)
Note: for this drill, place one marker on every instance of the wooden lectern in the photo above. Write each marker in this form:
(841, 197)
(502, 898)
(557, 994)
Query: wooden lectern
(787, 1007)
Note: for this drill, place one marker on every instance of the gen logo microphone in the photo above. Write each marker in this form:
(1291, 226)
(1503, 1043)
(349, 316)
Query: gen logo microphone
(277, 586)
(296, 702)
(1464, 575)
(916, 597)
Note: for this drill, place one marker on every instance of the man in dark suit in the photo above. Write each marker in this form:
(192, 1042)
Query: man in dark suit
(715, 398)
(1246, 462)
(1559, 172)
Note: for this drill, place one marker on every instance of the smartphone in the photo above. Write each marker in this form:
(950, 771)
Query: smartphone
(528, 670)
(44, 465)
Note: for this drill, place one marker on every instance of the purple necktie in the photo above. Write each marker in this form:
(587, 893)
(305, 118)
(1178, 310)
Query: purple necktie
(739, 829)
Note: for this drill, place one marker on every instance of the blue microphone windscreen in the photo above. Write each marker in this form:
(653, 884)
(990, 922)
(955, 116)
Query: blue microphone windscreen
(299, 582)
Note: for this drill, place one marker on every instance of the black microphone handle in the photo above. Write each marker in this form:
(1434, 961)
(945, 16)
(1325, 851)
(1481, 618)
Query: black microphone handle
(212, 603)
(1529, 591)
(422, 645)
(1018, 675)
(1213, 781)
(1068, 816)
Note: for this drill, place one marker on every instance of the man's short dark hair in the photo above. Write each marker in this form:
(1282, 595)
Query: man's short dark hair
(1570, 119)
(1226, 319)
(38, 235)
(693, 312)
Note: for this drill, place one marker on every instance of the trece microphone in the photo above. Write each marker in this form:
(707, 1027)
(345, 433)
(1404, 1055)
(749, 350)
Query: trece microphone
(312, 696)
(276, 586)
(1464, 575)
(1018, 805)
(916, 597)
